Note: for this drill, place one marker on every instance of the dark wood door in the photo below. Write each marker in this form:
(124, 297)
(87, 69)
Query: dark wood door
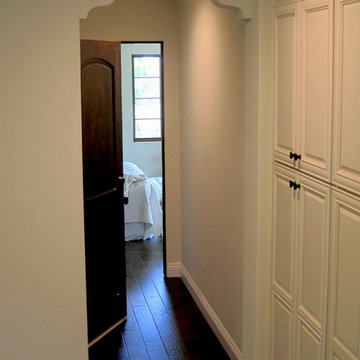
(103, 189)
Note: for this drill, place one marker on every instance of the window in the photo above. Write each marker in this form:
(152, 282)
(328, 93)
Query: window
(147, 97)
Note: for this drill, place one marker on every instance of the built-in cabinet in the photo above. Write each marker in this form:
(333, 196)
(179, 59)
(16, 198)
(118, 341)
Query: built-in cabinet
(315, 307)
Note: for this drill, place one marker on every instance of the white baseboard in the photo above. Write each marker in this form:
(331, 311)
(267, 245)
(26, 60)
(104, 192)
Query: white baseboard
(173, 269)
(217, 326)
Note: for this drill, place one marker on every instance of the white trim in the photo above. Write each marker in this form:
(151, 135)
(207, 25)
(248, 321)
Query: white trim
(217, 326)
(173, 269)
(106, 332)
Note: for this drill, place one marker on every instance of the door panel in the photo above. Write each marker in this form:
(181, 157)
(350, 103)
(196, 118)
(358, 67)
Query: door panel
(103, 192)
(313, 250)
(283, 232)
(104, 260)
(98, 131)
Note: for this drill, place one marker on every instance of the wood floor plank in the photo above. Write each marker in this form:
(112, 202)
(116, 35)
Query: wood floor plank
(134, 292)
(148, 329)
(168, 332)
(163, 323)
(135, 345)
(131, 323)
(163, 293)
(146, 284)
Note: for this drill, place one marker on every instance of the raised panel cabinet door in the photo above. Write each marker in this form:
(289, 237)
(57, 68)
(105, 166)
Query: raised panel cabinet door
(316, 86)
(346, 135)
(344, 309)
(312, 263)
(283, 309)
(285, 52)
(284, 232)
(103, 192)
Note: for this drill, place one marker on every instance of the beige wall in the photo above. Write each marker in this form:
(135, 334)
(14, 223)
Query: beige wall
(212, 140)
(42, 276)
(125, 20)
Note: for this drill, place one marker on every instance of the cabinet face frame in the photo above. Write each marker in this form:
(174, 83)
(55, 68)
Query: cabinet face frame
(346, 149)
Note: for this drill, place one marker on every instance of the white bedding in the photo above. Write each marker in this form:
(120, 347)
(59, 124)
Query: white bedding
(143, 213)
(157, 184)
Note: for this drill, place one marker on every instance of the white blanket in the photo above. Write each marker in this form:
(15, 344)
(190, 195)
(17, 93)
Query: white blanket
(132, 174)
(144, 205)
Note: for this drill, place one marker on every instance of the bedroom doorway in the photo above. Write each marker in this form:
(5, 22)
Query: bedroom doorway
(135, 179)
(143, 145)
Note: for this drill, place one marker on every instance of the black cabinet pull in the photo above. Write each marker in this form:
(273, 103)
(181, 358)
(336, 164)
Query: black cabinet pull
(294, 156)
(294, 185)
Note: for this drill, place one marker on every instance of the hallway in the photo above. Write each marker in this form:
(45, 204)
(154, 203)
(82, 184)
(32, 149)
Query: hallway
(163, 320)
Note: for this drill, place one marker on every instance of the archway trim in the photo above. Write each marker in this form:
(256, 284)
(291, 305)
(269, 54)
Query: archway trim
(244, 8)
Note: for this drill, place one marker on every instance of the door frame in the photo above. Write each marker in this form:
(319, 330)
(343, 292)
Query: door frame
(161, 43)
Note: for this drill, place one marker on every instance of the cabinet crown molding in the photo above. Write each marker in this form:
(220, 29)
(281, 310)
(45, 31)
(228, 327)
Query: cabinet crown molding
(244, 8)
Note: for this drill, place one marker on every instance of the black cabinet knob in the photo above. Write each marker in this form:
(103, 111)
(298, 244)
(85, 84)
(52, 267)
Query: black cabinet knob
(294, 185)
(294, 156)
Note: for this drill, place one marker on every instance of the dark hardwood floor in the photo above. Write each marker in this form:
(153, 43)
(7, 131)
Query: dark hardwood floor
(163, 319)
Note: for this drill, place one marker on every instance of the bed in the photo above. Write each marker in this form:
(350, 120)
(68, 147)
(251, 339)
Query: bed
(143, 213)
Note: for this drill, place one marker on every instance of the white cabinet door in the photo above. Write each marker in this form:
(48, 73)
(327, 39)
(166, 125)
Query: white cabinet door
(285, 81)
(346, 149)
(285, 201)
(316, 87)
(312, 265)
(284, 232)
(344, 309)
